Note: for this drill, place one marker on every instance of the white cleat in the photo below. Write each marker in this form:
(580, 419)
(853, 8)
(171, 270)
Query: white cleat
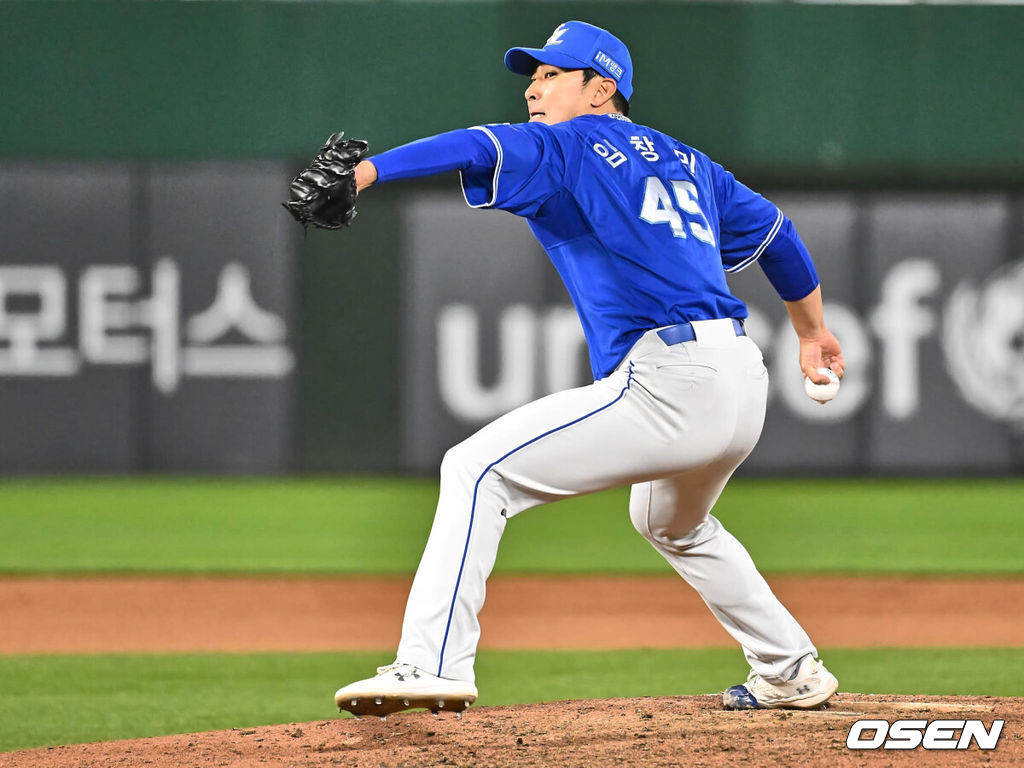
(402, 686)
(812, 686)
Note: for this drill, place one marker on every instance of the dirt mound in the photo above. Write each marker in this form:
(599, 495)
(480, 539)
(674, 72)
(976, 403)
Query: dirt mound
(693, 731)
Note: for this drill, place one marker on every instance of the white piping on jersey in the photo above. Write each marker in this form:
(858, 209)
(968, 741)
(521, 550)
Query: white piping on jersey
(497, 170)
(761, 248)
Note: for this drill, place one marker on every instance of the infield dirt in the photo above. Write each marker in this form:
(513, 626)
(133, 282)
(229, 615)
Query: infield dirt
(147, 614)
(649, 732)
(181, 614)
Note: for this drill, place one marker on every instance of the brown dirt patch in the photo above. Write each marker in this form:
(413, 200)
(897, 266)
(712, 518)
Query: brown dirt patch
(652, 732)
(103, 614)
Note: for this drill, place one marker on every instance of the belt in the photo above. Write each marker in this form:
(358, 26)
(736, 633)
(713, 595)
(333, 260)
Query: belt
(676, 334)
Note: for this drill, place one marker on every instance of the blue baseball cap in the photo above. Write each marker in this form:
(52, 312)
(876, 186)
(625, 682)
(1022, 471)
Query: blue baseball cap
(578, 45)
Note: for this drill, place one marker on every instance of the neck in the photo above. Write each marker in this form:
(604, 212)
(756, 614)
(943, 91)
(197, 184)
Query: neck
(604, 109)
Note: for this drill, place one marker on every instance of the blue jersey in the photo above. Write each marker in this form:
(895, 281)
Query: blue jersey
(641, 228)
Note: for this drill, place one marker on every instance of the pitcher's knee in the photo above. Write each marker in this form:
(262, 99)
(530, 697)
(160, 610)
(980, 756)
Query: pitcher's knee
(465, 464)
(676, 536)
(459, 465)
(639, 513)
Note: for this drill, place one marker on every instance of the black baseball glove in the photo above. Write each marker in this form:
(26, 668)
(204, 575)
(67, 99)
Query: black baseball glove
(324, 194)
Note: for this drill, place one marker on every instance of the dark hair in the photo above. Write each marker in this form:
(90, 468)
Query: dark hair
(618, 100)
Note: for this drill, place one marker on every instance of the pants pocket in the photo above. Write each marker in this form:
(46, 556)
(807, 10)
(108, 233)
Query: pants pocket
(686, 376)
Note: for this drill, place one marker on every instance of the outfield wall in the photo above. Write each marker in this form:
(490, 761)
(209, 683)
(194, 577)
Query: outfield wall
(160, 312)
(151, 320)
(145, 316)
(925, 291)
(919, 93)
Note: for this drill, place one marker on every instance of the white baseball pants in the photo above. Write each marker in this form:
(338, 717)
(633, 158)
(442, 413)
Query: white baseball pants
(673, 421)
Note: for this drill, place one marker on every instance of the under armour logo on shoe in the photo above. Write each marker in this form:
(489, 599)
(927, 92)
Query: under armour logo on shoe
(415, 675)
(803, 689)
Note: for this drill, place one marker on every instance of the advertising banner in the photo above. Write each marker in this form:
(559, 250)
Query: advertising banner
(924, 291)
(144, 319)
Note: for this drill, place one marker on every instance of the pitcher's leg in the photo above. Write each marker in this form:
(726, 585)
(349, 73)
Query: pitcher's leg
(482, 485)
(641, 422)
(667, 409)
(673, 515)
(450, 583)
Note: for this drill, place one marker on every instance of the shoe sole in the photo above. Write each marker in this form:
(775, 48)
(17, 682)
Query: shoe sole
(384, 705)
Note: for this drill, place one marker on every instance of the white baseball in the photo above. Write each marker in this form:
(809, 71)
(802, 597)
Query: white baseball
(822, 392)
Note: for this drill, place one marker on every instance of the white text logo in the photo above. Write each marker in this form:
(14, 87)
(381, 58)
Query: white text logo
(119, 325)
(613, 67)
(556, 36)
(911, 734)
(983, 336)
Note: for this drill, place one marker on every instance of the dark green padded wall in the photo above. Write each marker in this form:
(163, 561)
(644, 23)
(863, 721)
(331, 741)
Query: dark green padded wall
(783, 92)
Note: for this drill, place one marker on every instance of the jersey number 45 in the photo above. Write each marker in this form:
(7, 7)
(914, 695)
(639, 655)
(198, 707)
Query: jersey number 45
(659, 208)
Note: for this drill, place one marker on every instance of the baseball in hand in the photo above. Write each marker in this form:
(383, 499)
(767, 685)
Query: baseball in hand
(822, 392)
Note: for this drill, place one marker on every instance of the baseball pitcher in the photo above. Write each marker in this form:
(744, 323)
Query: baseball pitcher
(642, 230)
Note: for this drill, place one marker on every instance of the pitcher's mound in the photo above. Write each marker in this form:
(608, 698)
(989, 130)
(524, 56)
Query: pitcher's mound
(691, 731)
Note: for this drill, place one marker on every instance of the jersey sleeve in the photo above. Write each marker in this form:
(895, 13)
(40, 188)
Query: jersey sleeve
(462, 150)
(753, 229)
(531, 167)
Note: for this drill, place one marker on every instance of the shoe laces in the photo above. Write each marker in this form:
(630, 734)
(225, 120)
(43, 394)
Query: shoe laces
(394, 667)
(754, 680)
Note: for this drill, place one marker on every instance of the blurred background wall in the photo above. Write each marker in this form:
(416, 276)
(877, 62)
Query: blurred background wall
(159, 311)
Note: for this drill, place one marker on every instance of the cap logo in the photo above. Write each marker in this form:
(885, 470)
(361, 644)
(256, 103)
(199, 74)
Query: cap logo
(556, 36)
(609, 64)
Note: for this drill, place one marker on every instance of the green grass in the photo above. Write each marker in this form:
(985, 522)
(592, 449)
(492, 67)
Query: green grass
(379, 525)
(50, 700)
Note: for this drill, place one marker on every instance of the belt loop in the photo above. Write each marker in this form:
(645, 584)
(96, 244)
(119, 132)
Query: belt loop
(677, 334)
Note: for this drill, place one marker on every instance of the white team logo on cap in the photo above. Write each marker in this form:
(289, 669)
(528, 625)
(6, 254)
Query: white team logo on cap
(983, 337)
(556, 36)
